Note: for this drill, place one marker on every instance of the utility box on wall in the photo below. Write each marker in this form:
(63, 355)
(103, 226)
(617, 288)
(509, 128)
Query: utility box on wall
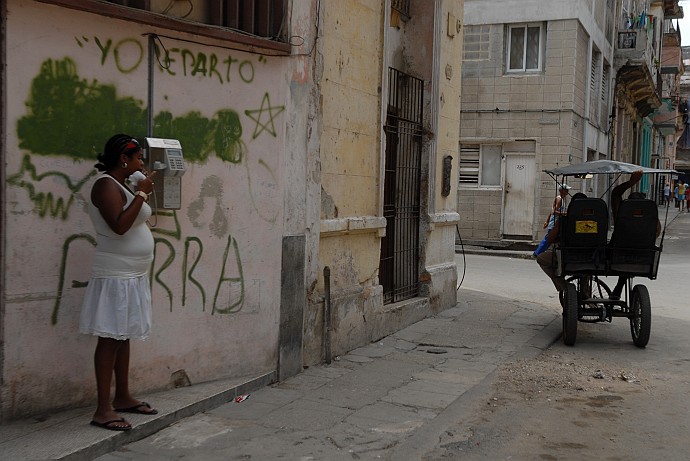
(165, 157)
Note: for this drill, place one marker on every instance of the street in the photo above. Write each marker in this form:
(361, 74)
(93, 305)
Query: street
(522, 279)
(601, 399)
(469, 385)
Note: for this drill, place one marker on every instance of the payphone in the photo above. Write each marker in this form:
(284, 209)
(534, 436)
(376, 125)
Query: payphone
(165, 157)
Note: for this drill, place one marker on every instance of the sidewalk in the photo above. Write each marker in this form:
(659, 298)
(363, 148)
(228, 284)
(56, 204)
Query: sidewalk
(388, 400)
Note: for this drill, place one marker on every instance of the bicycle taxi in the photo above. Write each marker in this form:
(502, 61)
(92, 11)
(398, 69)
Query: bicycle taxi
(585, 253)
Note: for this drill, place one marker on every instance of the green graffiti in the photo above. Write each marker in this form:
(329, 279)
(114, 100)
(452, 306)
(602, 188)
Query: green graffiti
(186, 271)
(237, 305)
(63, 266)
(104, 48)
(175, 233)
(44, 202)
(168, 261)
(138, 55)
(210, 65)
(247, 67)
(189, 274)
(227, 141)
(258, 115)
(69, 116)
(187, 130)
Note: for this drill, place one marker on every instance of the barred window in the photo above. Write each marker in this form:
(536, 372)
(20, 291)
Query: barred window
(257, 17)
(256, 23)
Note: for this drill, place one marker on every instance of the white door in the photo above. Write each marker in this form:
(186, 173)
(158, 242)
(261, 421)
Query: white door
(518, 196)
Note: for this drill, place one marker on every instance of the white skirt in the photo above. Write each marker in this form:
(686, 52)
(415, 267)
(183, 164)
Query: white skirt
(117, 308)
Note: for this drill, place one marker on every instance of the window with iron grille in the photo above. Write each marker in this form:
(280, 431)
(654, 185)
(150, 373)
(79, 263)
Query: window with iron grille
(258, 23)
(257, 17)
(399, 258)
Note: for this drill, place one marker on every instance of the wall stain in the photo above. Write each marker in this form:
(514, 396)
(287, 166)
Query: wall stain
(211, 188)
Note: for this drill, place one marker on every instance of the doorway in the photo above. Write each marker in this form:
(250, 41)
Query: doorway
(518, 196)
(399, 260)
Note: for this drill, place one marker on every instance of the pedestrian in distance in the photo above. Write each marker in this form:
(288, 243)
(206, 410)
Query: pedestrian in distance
(682, 187)
(117, 301)
(667, 193)
(558, 208)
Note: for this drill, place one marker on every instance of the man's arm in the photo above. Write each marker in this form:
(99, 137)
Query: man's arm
(619, 190)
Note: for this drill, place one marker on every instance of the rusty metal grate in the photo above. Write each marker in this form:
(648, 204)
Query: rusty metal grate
(263, 18)
(259, 17)
(399, 262)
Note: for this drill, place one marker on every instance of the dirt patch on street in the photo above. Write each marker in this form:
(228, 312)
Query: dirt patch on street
(562, 406)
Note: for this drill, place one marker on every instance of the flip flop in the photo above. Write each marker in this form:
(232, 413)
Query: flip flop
(137, 409)
(108, 425)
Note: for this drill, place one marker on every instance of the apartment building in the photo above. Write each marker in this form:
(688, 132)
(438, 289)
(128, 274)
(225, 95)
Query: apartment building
(547, 84)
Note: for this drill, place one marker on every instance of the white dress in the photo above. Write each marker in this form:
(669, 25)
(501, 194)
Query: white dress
(117, 303)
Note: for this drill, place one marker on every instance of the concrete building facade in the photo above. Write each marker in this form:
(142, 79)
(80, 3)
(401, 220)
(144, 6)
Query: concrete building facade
(546, 86)
(294, 131)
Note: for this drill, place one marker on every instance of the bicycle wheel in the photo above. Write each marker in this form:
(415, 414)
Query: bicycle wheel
(570, 315)
(640, 315)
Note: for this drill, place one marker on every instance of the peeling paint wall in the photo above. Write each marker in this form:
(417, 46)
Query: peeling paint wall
(362, 39)
(77, 78)
(349, 78)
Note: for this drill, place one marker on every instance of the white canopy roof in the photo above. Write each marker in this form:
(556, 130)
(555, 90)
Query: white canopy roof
(602, 167)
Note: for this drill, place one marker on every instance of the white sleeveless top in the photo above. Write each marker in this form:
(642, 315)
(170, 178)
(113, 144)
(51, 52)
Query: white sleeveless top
(127, 255)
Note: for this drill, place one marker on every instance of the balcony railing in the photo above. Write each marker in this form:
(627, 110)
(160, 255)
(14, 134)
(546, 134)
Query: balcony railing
(634, 47)
(637, 65)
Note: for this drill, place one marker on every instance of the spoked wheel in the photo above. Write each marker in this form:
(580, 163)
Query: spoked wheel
(640, 315)
(570, 315)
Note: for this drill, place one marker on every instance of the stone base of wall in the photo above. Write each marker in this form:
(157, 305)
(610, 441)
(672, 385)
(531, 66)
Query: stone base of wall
(439, 286)
(358, 319)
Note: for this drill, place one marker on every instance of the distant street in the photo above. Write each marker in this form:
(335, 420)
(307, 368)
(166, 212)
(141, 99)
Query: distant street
(603, 398)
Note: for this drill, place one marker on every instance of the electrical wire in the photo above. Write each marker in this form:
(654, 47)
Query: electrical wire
(464, 259)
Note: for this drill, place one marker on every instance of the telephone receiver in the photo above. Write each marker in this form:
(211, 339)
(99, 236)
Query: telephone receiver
(135, 177)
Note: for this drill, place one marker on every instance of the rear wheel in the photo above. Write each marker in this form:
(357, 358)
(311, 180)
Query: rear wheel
(640, 315)
(570, 308)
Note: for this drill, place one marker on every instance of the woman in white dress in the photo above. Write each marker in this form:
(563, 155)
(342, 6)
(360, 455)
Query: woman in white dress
(117, 303)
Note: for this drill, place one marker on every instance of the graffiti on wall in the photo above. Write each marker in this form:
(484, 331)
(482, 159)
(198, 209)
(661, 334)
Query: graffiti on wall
(68, 115)
(229, 280)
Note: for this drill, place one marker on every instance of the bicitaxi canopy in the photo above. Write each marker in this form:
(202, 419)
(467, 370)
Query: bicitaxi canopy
(602, 167)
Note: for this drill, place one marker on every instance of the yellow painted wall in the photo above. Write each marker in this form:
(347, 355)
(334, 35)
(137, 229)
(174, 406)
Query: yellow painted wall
(350, 105)
(350, 138)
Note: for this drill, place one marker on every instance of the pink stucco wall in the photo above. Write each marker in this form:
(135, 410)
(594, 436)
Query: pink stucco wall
(216, 274)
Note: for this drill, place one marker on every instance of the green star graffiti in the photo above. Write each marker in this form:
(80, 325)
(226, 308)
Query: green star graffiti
(258, 114)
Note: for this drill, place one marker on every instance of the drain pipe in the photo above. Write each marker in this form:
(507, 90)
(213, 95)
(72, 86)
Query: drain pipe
(327, 315)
